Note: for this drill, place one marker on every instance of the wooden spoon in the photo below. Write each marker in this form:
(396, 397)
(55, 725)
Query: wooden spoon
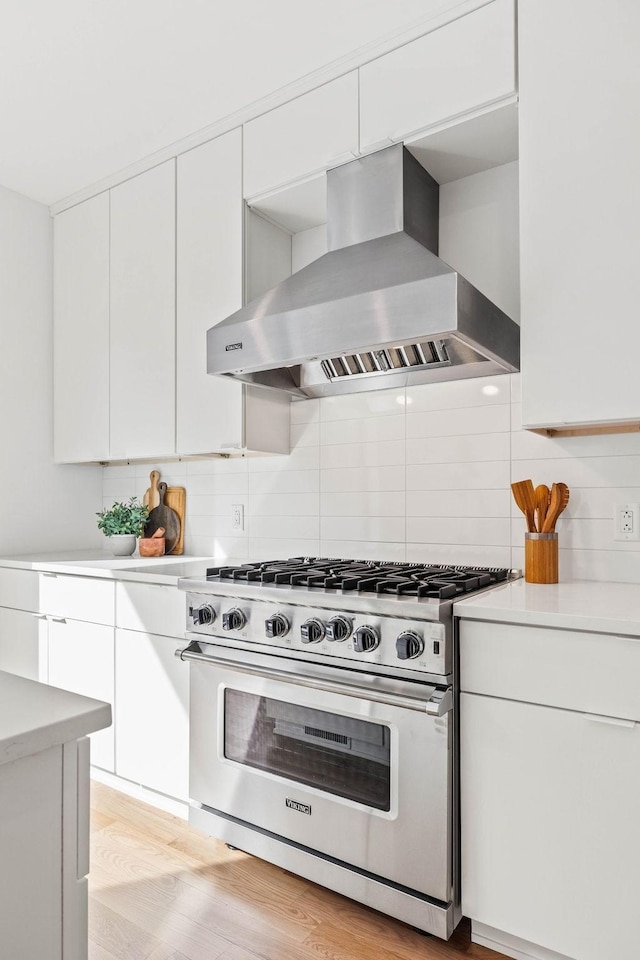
(559, 500)
(542, 504)
(525, 497)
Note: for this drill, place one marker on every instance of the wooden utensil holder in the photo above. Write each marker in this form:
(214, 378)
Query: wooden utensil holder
(541, 557)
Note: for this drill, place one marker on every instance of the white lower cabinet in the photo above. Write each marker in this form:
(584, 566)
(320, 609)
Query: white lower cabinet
(549, 802)
(152, 713)
(81, 659)
(23, 643)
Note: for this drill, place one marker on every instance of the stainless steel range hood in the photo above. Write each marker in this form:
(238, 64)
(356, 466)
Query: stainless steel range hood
(380, 309)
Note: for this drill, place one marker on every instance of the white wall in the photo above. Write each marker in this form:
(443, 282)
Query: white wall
(42, 506)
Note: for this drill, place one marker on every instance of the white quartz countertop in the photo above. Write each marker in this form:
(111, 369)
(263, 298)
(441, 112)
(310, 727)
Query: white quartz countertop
(34, 716)
(87, 563)
(578, 605)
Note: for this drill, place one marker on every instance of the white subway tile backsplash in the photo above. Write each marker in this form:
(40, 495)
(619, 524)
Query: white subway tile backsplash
(459, 476)
(371, 430)
(380, 403)
(365, 479)
(494, 418)
(489, 531)
(459, 503)
(382, 529)
(421, 474)
(364, 550)
(293, 481)
(362, 503)
(367, 455)
(487, 446)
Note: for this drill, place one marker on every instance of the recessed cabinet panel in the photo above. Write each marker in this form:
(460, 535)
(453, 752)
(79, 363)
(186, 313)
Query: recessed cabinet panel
(579, 213)
(315, 131)
(81, 332)
(151, 607)
(80, 598)
(20, 639)
(152, 716)
(81, 659)
(459, 67)
(142, 381)
(550, 826)
(209, 288)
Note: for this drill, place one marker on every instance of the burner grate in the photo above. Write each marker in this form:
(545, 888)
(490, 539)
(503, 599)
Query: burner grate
(431, 581)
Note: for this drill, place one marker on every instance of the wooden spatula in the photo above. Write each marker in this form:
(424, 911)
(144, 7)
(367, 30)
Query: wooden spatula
(542, 504)
(525, 497)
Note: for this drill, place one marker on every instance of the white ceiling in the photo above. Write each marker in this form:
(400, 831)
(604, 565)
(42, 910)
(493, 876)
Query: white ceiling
(91, 86)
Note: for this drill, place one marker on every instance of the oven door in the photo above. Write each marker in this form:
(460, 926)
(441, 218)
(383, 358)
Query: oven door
(360, 775)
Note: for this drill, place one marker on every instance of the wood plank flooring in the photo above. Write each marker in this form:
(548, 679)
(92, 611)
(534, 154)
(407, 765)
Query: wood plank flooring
(159, 890)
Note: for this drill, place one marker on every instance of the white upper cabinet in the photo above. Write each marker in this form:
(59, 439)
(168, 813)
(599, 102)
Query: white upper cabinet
(315, 131)
(460, 67)
(81, 332)
(142, 380)
(579, 212)
(209, 288)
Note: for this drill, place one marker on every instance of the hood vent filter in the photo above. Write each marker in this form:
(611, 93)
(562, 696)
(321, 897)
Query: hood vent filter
(417, 356)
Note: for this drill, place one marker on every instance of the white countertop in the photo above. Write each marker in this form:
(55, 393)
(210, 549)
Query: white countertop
(578, 605)
(34, 716)
(92, 563)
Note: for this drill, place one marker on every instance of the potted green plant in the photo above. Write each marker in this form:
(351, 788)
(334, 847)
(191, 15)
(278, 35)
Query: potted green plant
(123, 523)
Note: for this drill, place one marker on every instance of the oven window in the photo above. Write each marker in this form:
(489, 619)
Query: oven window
(340, 755)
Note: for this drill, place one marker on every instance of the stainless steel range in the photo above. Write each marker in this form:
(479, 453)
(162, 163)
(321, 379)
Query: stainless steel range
(323, 724)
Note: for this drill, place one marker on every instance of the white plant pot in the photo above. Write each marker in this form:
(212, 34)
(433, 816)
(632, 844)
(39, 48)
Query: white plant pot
(122, 544)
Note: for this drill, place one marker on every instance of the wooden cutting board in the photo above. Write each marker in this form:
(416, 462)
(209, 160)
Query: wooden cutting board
(151, 497)
(164, 516)
(176, 498)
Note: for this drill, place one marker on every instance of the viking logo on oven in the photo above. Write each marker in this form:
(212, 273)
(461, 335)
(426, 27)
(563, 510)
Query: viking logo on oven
(300, 807)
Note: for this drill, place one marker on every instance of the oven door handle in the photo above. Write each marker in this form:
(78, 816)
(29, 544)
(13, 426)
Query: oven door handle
(437, 704)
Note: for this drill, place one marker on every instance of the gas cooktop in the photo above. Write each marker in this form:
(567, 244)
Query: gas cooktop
(365, 576)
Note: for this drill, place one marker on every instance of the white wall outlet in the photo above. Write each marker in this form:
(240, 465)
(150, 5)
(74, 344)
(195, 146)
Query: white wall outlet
(627, 521)
(237, 516)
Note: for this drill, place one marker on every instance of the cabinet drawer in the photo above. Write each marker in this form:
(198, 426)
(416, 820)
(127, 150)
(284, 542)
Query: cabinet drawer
(151, 608)
(311, 133)
(19, 589)
(79, 598)
(589, 672)
(461, 66)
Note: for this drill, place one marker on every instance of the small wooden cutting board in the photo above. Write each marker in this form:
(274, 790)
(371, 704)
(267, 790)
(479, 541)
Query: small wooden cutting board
(176, 498)
(151, 497)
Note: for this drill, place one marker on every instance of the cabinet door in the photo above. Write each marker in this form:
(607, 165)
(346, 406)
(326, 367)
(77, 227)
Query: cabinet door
(550, 826)
(81, 332)
(23, 641)
(143, 315)
(579, 212)
(462, 66)
(81, 659)
(152, 713)
(209, 288)
(311, 133)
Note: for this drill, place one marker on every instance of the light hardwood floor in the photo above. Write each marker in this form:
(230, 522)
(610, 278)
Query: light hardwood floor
(159, 890)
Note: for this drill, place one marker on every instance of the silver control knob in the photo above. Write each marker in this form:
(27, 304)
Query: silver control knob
(233, 619)
(409, 646)
(339, 628)
(312, 631)
(203, 615)
(366, 639)
(276, 626)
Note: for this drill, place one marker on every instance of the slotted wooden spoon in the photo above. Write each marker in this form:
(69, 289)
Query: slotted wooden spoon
(524, 495)
(559, 499)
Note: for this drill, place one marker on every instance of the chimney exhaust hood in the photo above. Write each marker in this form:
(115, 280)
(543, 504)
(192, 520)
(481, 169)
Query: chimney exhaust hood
(380, 309)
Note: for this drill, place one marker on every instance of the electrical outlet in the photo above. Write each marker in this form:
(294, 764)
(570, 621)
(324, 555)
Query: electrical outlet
(627, 521)
(237, 516)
